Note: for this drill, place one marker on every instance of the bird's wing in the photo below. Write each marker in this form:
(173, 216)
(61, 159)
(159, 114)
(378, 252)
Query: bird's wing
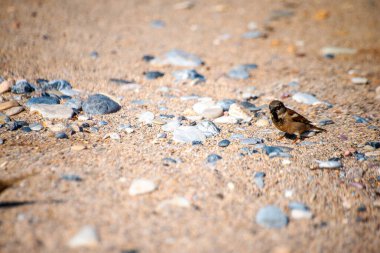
(297, 117)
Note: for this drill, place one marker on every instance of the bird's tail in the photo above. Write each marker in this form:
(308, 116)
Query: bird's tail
(318, 128)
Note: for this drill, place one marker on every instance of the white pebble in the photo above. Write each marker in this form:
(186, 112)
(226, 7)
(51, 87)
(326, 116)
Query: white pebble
(146, 117)
(141, 186)
(86, 237)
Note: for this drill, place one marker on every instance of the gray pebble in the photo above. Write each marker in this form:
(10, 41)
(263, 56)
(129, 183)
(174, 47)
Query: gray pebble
(26, 129)
(57, 85)
(325, 122)
(71, 177)
(213, 158)
(1, 141)
(102, 123)
(374, 144)
(100, 104)
(276, 151)
(179, 58)
(271, 217)
(49, 100)
(253, 35)
(157, 24)
(151, 75)
(224, 143)
(362, 120)
(251, 141)
(74, 103)
(241, 71)
(61, 135)
(258, 178)
(36, 126)
(188, 74)
(226, 103)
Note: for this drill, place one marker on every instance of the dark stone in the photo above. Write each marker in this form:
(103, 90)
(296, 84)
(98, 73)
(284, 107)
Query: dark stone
(167, 116)
(50, 100)
(147, 58)
(194, 143)
(71, 177)
(325, 122)
(15, 125)
(374, 144)
(119, 81)
(61, 135)
(249, 106)
(360, 156)
(151, 75)
(22, 87)
(226, 103)
(100, 104)
(26, 129)
(329, 56)
(224, 143)
(57, 85)
(361, 120)
(362, 208)
(94, 54)
(167, 161)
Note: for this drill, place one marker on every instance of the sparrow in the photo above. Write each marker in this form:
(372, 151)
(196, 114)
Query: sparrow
(289, 121)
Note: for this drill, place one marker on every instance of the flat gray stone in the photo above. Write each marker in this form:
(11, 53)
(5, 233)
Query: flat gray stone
(271, 217)
(53, 111)
(100, 104)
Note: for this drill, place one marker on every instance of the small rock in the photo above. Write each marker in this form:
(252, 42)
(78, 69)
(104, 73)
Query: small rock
(361, 120)
(151, 75)
(126, 128)
(112, 136)
(161, 136)
(237, 112)
(102, 123)
(188, 74)
(169, 160)
(26, 129)
(178, 58)
(22, 87)
(208, 109)
(262, 123)
(208, 128)
(337, 50)
(8, 104)
(247, 151)
(78, 147)
(224, 143)
(57, 85)
(86, 237)
(253, 35)
(251, 141)
(226, 103)
(48, 100)
(71, 177)
(250, 107)
(259, 179)
(276, 151)
(188, 134)
(141, 186)
(53, 111)
(300, 211)
(100, 104)
(148, 58)
(1, 141)
(330, 164)
(36, 127)
(184, 5)
(359, 80)
(374, 144)
(306, 98)
(325, 122)
(271, 217)
(61, 135)
(157, 24)
(241, 71)
(226, 120)
(15, 125)
(174, 202)
(14, 110)
(213, 158)
(171, 126)
(359, 156)
(146, 118)
(5, 86)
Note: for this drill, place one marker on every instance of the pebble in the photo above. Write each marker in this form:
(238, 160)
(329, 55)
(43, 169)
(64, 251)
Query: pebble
(78, 147)
(74, 103)
(184, 5)
(174, 202)
(146, 118)
(241, 71)
(226, 120)
(251, 141)
(337, 50)
(5, 86)
(15, 125)
(237, 137)
(361, 120)
(253, 35)
(148, 58)
(190, 97)
(53, 111)
(14, 110)
(36, 126)
(374, 144)
(226, 103)
(71, 177)
(171, 126)
(179, 58)
(151, 75)
(188, 134)
(61, 135)
(126, 128)
(249, 106)
(325, 122)
(157, 24)
(162, 136)
(100, 104)
(271, 217)
(8, 104)
(94, 55)
(224, 143)
(237, 112)
(299, 211)
(208, 109)
(208, 128)
(306, 98)
(276, 151)
(262, 123)
(87, 236)
(57, 85)
(26, 129)
(112, 136)
(188, 74)
(1, 141)
(330, 164)
(102, 123)
(359, 156)
(258, 178)
(293, 84)
(213, 158)
(141, 186)
(248, 151)
(22, 87)
(49, 100)
(359, 80)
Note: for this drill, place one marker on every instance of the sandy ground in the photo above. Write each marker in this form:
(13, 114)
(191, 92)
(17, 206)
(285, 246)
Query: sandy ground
(54, 39)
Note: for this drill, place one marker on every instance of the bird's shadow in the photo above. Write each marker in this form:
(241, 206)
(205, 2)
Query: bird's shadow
(12, 204)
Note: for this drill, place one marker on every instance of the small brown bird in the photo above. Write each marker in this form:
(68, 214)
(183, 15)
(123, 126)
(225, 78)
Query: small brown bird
(289, 121)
